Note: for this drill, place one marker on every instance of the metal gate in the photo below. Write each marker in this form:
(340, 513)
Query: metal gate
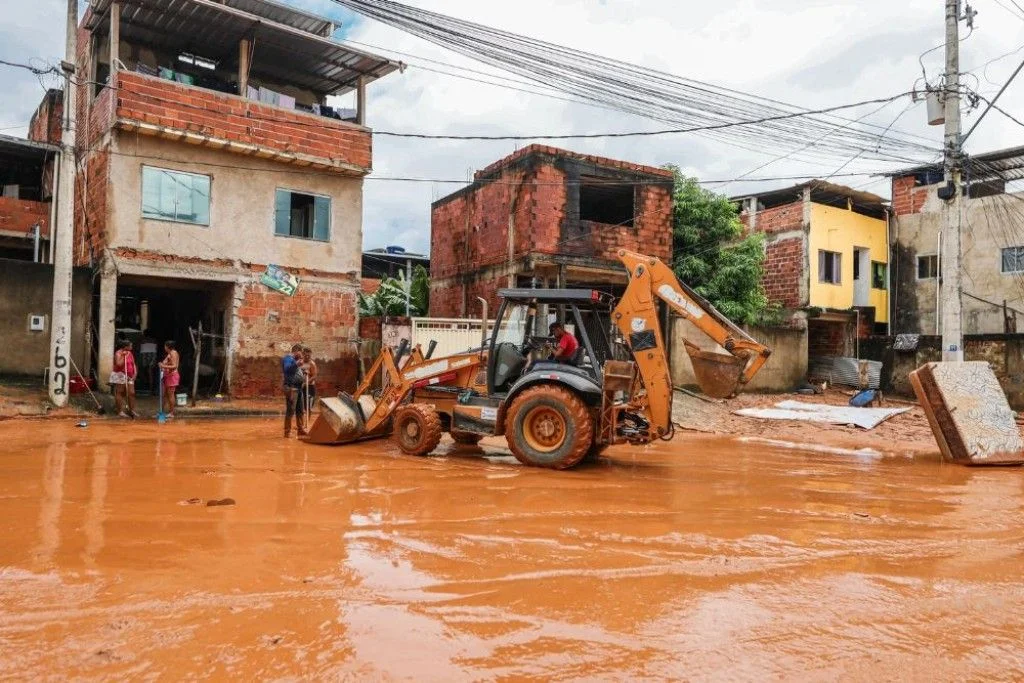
(453, 335)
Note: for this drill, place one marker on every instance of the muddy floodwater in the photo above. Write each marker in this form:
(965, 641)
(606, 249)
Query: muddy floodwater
(703, 558)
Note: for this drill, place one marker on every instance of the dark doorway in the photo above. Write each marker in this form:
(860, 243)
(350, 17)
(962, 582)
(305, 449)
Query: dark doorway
(167, 309)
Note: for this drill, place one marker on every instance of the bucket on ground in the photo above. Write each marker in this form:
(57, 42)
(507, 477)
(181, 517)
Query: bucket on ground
(181, 400)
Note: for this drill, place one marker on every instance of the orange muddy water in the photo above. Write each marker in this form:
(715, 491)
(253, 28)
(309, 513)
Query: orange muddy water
(704, 558)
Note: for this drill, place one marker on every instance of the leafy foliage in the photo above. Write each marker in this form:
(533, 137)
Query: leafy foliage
(714, 257)
(390, 298)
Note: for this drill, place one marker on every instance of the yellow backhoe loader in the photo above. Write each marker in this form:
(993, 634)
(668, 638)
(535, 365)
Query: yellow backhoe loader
(617, 388)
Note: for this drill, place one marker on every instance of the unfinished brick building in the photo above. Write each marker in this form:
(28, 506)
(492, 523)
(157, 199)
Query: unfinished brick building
(209, 152)
(545, 217)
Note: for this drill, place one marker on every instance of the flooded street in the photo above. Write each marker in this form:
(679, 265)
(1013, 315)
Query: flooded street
(704, 558)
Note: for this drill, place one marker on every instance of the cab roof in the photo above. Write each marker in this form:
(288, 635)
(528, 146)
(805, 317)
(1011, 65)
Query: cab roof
(556, 296)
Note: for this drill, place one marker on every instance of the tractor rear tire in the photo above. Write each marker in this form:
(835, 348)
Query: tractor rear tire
(549, 426)
(417, 429)
(466, 438)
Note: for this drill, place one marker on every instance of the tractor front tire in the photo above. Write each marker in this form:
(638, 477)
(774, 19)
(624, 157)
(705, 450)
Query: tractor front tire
(549, 426)
(416, 429)
(466, 438)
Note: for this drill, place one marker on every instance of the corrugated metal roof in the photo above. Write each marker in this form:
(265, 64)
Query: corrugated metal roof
(285, 52)
(287, 15)
(12, 147)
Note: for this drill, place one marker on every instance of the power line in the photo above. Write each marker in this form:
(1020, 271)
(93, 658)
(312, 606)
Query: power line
(629, 134)
(992, 102)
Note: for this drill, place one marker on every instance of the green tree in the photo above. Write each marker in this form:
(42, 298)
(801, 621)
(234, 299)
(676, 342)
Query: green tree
(712, 255)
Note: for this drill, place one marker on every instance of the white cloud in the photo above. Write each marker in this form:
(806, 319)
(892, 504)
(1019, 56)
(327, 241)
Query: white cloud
(808, 52)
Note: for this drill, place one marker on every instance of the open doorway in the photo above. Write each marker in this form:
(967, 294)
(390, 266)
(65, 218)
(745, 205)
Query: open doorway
(861, 276)
(151, 311)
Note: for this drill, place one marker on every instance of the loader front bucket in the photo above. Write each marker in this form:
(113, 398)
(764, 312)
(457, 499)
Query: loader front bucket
(341, 420)
(718, 374)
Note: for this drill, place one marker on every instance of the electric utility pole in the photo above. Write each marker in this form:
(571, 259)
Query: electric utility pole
(62, 233)
(950, 273)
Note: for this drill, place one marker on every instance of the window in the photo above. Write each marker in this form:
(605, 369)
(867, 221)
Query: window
(927, 267)
(175, 196)
(302, 215)
(605, 201)
(830, 267)
(1013, 260)
(879, 275)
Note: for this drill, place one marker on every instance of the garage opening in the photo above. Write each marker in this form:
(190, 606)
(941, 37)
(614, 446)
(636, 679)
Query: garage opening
(608, 202)
(151, 311)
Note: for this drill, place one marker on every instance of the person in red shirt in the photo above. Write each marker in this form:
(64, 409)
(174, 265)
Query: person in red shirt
(565, 351)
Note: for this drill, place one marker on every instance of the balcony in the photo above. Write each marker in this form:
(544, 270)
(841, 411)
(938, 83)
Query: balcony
(154, 106)
(171, 68)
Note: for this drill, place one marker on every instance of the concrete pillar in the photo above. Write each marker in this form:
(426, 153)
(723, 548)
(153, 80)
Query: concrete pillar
(232, 332)
(115, 38)
(244, 51)
(105, 324)
(361, 101)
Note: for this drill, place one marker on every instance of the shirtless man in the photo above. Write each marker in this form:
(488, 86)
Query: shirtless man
(307, 389)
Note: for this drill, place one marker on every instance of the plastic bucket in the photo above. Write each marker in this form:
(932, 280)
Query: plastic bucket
(181, 400)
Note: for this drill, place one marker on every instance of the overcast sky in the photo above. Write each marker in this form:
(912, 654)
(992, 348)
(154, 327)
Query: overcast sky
(813, 53)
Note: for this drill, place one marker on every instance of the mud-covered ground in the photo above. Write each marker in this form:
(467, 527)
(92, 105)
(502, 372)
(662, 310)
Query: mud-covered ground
(705, 558)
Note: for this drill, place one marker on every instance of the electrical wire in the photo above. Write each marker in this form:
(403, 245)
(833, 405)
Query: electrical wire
(992, 103)
(636, 89)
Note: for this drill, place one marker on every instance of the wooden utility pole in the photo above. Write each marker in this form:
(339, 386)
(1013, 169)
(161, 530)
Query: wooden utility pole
(950, 269)
(63, 232)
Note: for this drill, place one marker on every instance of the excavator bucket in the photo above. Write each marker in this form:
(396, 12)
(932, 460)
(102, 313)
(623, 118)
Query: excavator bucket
(718, 374)
(341, 420)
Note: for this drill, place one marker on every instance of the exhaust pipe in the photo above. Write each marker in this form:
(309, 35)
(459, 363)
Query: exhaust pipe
(483, 324)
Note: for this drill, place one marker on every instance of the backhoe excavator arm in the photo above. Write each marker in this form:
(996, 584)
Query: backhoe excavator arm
(637, 318)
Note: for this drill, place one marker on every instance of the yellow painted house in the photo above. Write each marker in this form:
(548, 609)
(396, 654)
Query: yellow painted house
(826, 260)
(849, 264)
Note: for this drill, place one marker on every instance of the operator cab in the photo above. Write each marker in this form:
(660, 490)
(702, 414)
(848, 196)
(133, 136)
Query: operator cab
(521, 343)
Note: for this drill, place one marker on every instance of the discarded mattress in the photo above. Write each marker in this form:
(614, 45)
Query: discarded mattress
(968, 413)
(866, 418)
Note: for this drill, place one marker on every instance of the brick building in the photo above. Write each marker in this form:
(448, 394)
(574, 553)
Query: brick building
(826, 260)
(209, 152)
(26, 189)
(545, 217)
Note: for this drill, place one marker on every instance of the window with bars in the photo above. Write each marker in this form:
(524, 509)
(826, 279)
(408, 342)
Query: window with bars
(1013, 260)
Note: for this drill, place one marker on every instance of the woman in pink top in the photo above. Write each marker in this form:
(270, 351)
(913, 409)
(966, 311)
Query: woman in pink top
(172, 379)
(131, 371)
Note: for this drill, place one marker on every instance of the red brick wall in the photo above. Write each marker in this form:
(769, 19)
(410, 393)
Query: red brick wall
(906, 197)
(469, 230)
(778, 218)
(369, 285)
(321, 316)
(229, 117)
(46, 124)
(20, 215)
(91, 188)
(783, 270)
(828, 338)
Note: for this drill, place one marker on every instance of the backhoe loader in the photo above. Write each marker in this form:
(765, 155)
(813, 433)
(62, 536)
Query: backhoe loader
(616, 389)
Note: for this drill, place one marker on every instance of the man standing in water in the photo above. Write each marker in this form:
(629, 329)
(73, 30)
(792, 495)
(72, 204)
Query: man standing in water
(289, 372)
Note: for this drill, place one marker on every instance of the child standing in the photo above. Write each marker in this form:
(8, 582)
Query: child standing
(172, 379)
